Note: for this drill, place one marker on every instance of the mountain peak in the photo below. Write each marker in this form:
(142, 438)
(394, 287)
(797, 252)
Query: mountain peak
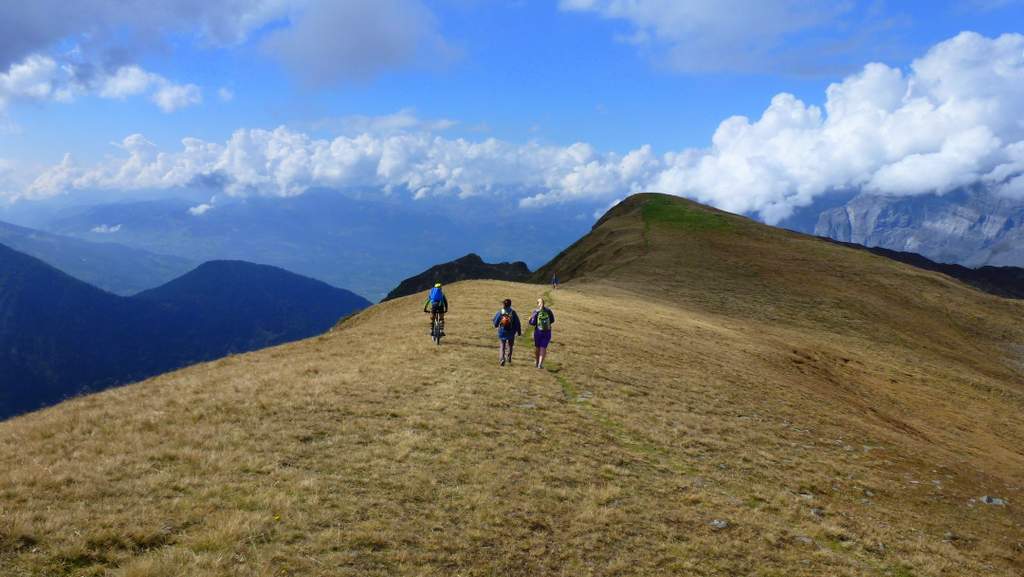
(60, 336)
(469, 267)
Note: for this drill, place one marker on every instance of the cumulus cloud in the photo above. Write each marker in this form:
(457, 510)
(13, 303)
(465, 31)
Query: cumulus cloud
(35, 78)
(42, 78)
(127, 81)
(170, 97)
(697, 35)
(225, 94)
(132, 80)
(200, 209)
(952, 119)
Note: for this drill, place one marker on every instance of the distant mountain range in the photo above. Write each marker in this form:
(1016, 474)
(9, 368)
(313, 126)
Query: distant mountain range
(60, 336)
(1004, 281)
(367, 244)
(110, 266)
(469, 267)
(969, 227)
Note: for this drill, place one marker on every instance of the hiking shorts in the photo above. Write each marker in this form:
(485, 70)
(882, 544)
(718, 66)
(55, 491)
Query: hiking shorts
(436, 308)
(541, 339)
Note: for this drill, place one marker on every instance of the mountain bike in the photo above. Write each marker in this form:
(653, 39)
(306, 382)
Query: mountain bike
(436, 328)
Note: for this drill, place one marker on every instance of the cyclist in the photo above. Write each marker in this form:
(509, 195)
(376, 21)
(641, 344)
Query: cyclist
(437, 305)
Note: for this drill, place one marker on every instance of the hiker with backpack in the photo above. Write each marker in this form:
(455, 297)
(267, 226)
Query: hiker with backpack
(507, 322)
(542, 318)
(437, 305)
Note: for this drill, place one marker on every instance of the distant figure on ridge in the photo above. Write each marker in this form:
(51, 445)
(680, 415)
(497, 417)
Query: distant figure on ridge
(437, 306)
(554, 280)
(507, 322)
(542, 318)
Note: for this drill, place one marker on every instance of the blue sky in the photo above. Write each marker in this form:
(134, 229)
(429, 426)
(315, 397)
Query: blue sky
(615, 75)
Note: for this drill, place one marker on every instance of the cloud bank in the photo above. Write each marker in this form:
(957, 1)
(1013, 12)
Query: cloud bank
(955, 118)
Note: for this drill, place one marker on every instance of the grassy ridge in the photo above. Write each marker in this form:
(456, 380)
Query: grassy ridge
(840, 413)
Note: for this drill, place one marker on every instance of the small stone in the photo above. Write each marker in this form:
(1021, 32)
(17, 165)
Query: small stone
(719, 524)
(950, 536)
(804, 539)
(993, 501)
(869, 493)
(818, 512)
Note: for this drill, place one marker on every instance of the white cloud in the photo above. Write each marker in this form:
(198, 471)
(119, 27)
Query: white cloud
(953, 119)
(225, 94)
(200, 209)
(106, 229)
(35, 78)
(170, 97)
(41, 78)
(127, 81)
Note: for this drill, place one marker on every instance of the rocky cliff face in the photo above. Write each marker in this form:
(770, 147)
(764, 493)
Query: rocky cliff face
(972, 228)
(469, 267)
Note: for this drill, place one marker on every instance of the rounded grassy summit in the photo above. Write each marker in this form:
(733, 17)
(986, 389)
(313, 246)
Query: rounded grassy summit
(721, 398)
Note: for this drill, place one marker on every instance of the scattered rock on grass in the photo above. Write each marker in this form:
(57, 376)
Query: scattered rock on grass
(719, 524)
(993, 501)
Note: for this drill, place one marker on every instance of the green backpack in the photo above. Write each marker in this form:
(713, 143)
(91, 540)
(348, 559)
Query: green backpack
(543, 320)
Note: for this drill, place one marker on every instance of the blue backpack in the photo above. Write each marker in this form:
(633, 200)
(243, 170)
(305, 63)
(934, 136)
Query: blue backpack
(436, 296)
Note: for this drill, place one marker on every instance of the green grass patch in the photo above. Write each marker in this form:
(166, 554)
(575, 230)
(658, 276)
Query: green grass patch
(568, 389)
(666, 212)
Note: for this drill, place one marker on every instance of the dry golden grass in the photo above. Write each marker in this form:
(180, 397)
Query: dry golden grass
(839, 411)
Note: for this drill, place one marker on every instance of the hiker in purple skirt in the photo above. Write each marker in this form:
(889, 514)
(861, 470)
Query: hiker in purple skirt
(542, 318)
(507, 322)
